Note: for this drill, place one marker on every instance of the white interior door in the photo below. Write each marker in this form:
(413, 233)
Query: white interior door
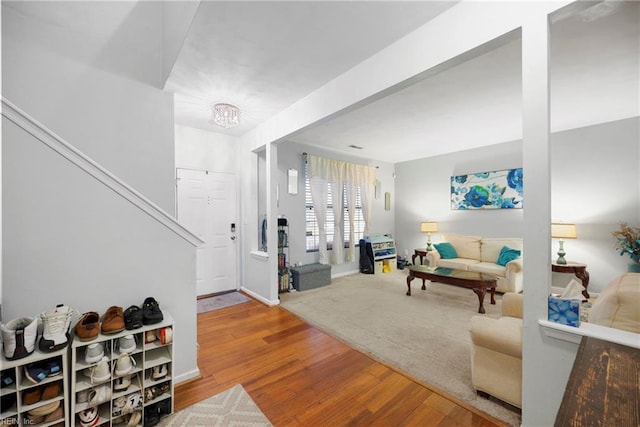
(207, 206)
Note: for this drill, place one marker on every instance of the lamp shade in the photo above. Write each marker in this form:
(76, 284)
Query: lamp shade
(563, 231)
(429, 227)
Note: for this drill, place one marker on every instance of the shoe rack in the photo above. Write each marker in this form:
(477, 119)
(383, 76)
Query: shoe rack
(24, 402)
(144, 390)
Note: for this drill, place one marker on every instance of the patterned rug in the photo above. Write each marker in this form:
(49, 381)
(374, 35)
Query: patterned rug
(221, 301)
(232, 407)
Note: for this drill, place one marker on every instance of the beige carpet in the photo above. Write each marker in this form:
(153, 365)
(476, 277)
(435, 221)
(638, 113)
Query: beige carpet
(425, 335)
(232, 407)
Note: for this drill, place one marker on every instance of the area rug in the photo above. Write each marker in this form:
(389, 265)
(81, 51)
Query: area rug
(221, 301)
(232, 407)
(425, 335)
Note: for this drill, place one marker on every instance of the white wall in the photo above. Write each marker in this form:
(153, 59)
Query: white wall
(102, 96)
(69, 239)
(423, 189)
(177, 17)
(73, 241)
(293, 206)
(202, 150)
(594, 184)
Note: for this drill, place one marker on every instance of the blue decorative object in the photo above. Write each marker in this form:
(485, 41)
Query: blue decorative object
(488, 190)
(446, 250)
(507, 255)
(564, 311)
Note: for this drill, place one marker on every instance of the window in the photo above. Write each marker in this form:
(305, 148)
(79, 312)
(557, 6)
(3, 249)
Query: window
(312, 231)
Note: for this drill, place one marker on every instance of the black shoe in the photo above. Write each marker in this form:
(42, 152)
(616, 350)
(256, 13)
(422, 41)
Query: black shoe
(151, 310)
(151, 416)
(164, 407)
(133, 317)
(8, 378)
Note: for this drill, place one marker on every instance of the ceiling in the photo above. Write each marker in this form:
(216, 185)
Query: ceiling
(264, 56)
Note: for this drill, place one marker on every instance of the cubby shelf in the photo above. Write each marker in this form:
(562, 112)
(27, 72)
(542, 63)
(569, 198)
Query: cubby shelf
(14, 411)
(145, 390)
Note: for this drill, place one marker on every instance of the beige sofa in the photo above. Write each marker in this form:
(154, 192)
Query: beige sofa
(496, 352)
(618, 305)
(480, 254)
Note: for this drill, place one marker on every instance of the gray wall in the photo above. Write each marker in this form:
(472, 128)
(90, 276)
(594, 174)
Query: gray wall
(595, 184)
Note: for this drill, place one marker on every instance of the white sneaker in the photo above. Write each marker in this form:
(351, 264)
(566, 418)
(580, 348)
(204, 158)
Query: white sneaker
(99, 373)
(55, 334)
(99, 394)
(127, 344)
(19, 337)
(94, 353)
(124, 365)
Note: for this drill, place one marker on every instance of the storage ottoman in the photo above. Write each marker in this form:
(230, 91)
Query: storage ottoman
(311, 276)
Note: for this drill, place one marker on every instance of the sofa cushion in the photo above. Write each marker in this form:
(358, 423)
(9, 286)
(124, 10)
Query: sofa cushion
(507, 254)
(491, 247)
(489, 268)
(458, 263)
(446, 250)
(466, 246)
(617, 305)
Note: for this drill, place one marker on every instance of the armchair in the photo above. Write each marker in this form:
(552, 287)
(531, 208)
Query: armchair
(496, 352)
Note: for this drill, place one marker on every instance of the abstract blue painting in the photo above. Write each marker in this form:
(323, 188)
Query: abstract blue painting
(487, 190)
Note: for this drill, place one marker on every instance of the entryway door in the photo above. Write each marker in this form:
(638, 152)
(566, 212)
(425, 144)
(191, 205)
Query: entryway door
(207, 206)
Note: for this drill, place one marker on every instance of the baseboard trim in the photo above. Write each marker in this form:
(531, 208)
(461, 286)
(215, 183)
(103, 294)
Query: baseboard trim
(260, 298)
(192, 375)
(346, 273)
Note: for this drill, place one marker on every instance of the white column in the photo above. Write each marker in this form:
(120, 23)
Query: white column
(546, 361)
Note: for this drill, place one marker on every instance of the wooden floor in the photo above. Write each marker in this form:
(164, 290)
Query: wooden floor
(300, 376)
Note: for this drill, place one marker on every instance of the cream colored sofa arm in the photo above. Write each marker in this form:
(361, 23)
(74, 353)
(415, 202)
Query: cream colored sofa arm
(502, 335)
(433, 257)
(512, 305)
(514, 266)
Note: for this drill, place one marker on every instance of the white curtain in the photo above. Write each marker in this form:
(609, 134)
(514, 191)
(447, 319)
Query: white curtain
(319, 194)
(351, 191)
(323, 171)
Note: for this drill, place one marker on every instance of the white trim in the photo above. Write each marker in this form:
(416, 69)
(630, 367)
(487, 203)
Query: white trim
(259, 297)
(66, 150)
(260, 255)
(346, 273)
(190, 375)
(574, 335)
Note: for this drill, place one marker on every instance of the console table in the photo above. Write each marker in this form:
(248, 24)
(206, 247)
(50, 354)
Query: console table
(603, 387)
(579, 270)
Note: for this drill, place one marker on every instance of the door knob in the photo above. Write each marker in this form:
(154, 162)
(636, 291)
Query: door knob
(233, 237)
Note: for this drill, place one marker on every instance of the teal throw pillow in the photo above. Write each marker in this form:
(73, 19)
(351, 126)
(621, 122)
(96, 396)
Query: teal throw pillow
(506, 255)
(446, 250)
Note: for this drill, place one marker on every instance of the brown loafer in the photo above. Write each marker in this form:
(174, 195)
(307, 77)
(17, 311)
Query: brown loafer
(113, 320)
(51, 391)
(30, 397)
(88, 327)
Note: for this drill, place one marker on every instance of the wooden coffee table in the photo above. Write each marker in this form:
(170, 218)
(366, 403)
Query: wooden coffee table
(477, 282)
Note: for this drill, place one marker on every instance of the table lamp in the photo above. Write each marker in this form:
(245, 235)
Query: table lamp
(429, 227)
(562, 231)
